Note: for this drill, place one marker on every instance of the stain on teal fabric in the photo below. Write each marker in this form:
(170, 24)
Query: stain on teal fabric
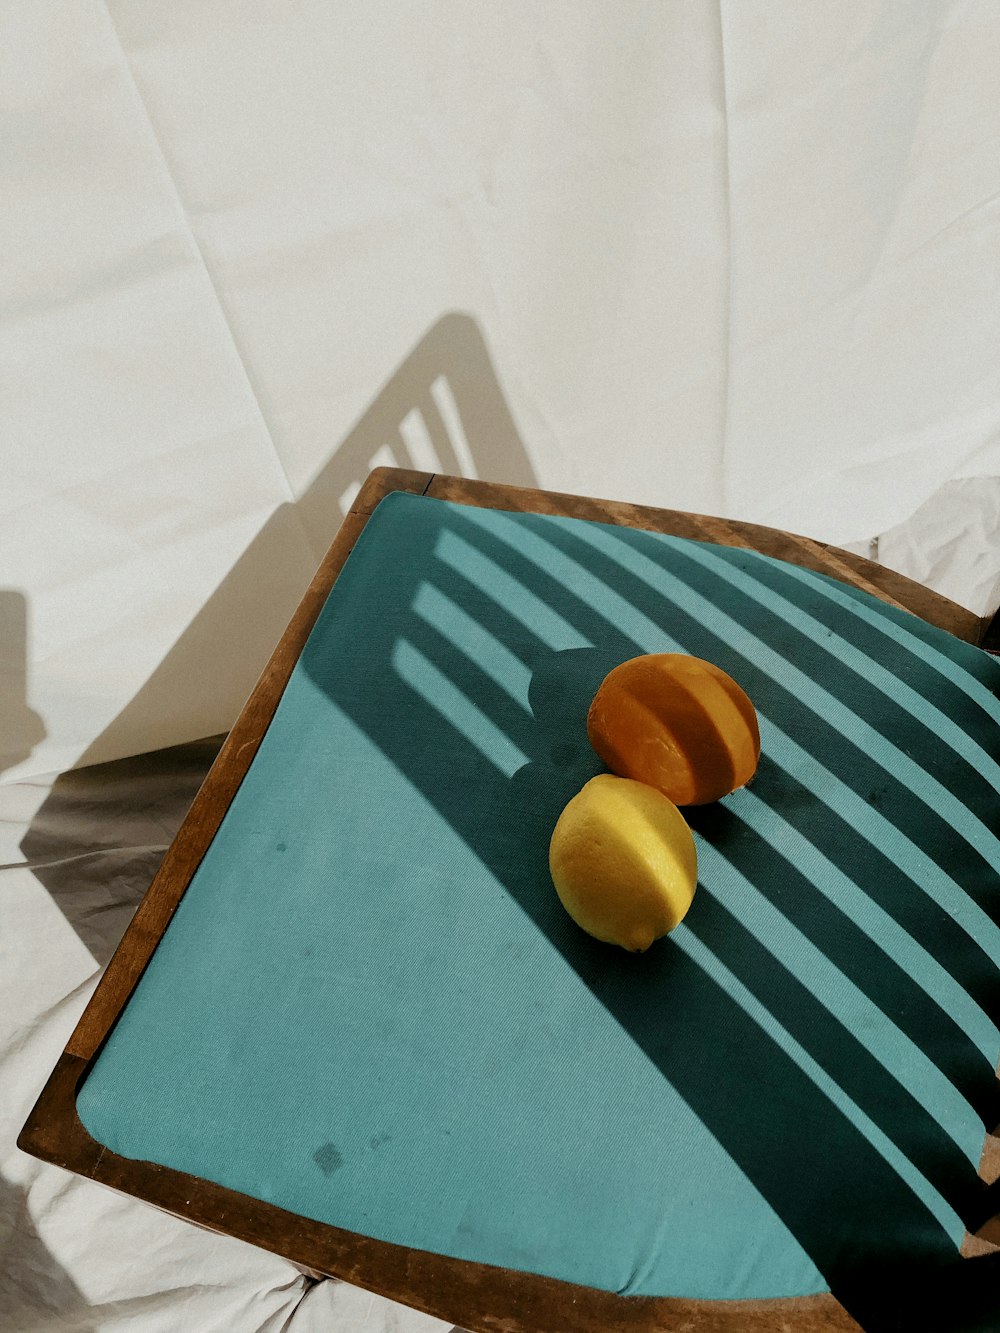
(370, 1008)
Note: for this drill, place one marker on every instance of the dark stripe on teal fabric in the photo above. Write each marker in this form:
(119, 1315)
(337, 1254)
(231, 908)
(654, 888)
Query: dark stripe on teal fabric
(473, 682)
(819, 658)
(887, 884)
(902, 659)
(858, 770)
(835, 1049)
(584, 619)
(861, 960)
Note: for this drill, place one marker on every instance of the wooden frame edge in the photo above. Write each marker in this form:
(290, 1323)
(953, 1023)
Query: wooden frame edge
(466, 1293)
(54, 1133)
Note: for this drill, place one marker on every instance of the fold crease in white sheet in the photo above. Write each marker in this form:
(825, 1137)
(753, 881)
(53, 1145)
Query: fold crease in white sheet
(182, 210)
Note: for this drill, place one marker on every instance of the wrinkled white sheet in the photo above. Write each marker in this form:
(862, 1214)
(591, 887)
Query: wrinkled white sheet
(76, 855)
(734, 258)
(739, 258)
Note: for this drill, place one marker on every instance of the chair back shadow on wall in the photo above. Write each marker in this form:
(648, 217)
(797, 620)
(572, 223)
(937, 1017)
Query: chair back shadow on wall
(443, 410)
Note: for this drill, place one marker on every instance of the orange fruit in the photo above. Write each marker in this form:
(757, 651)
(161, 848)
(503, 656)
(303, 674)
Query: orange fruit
(623, 862)
(678, 723)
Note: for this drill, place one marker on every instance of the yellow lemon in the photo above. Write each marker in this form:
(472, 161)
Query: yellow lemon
(623, 862)
(677, 722)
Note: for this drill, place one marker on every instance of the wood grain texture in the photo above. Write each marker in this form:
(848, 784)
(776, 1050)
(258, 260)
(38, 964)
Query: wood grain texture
(386, 479)
(476, 1296)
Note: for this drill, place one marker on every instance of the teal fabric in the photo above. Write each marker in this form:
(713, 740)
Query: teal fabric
(371, 1009)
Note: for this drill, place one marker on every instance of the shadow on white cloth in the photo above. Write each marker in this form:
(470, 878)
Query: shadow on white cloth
(442, 410)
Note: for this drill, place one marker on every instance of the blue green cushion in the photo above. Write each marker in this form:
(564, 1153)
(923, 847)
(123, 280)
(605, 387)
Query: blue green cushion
(371, 1009)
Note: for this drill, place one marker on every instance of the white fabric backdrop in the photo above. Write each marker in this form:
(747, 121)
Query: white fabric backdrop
(736, 258)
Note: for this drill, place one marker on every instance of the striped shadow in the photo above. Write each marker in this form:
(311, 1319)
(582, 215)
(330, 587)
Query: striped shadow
(917, 643)
(707, 632)
(880, 748)
(841, 653)
(641, 632)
